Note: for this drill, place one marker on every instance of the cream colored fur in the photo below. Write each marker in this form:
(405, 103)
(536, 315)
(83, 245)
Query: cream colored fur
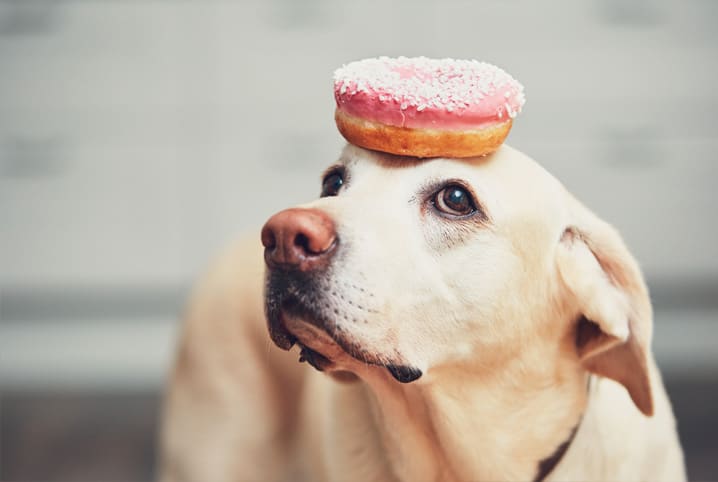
(488, 311)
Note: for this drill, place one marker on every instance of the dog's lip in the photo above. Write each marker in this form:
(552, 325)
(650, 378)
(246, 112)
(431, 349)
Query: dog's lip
(310, 335)
(279, 334)
(315, 340)
(296, 324)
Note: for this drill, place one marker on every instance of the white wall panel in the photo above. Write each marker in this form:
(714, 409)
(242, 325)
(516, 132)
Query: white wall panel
(136, 138)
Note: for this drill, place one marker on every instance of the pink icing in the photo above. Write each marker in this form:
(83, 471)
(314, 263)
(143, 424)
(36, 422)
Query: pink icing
(428, 93)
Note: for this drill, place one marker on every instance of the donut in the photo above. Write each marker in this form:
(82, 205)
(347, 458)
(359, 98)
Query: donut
(424, 107)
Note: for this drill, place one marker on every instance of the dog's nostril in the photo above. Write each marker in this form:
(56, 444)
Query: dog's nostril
(314, 244)
(302, 241)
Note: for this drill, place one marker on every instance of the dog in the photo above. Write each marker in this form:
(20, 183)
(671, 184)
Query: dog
(466, 320)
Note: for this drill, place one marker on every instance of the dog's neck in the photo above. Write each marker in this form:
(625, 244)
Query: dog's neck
(515, 417)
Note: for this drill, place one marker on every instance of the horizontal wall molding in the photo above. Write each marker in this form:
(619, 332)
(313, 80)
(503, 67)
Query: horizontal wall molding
(86, 302)
(130, 302)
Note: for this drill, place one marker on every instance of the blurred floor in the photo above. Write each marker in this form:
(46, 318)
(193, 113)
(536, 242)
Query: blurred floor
(105, 436)
(77, 436)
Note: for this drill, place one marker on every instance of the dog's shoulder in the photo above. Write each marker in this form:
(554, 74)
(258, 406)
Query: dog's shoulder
(616, 441)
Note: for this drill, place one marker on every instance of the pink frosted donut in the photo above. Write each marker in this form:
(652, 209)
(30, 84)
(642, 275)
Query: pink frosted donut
(426, 107)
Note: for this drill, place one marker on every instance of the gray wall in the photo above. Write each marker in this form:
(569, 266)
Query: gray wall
(138, 138)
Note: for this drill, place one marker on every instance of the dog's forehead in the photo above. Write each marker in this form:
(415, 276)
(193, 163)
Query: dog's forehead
(506, 172)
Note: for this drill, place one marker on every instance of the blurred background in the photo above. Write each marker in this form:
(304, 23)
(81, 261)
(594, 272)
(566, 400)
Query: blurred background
(137, 138)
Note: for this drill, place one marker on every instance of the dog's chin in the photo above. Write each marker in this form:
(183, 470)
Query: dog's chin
(318, 347)
(321, 344)
(327, 349)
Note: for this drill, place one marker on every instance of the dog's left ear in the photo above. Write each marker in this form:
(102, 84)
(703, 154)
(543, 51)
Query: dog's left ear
(614, 327)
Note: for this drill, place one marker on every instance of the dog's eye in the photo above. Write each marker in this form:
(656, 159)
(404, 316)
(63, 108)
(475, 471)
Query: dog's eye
(453, 200)
(332, 183)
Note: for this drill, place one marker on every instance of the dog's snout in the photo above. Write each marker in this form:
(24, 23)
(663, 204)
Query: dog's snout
(299, 238)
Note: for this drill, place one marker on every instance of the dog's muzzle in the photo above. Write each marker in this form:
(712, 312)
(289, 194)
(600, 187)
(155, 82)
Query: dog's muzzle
(299, 245)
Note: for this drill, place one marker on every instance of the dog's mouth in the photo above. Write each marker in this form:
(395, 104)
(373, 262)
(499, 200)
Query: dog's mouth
(290, 301)
(321, 346)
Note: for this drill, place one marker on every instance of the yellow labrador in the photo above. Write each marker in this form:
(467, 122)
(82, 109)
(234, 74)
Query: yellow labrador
(468, 320)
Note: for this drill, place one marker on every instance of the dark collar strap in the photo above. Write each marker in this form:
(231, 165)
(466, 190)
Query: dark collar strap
(549, 463)
(546, 465)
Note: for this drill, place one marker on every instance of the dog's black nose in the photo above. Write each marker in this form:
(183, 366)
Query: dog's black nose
(299, 238)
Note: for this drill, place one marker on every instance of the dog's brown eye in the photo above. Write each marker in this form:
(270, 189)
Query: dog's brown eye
(454, 201)
(332, 183)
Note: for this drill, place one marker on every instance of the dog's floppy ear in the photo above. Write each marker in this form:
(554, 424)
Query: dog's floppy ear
(613, 333)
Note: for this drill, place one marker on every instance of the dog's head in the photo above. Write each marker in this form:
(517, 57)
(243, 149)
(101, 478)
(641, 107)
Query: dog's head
(413, 266)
